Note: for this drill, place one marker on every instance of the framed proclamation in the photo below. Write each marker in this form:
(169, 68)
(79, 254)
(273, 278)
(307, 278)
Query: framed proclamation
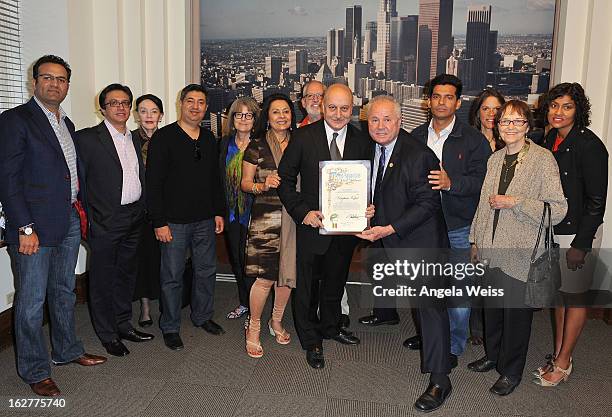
(344, 195)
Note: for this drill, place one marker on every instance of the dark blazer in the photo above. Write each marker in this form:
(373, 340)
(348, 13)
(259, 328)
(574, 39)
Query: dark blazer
(104, 176)
(464, 155)
(34, 176)
(407, 202)
(307, 147)
(583, 166)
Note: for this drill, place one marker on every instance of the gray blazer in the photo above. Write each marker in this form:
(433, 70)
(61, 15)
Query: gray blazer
(536, 180)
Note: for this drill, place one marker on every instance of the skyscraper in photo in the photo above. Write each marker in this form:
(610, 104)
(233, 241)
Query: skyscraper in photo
(352, 35)
(273, 69)
(369, 42)
(335, 45)
(476, 44)
(298, 62)
(492, 58)
(435, 43)
(386, 10)
(403, 48)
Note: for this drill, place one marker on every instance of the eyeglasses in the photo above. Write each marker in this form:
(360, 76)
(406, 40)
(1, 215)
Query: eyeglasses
(118, 103)
(48, 78)
(197, 155)
(313, 96)
(515, 122)
(246, 116)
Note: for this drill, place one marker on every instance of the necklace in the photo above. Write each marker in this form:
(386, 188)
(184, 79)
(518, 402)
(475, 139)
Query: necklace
(521, 155)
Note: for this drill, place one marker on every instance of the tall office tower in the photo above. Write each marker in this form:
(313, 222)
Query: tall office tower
(357, 71)
(414, 113)
(273, 69)
(403, 39)
(335, 45)
(369, 42)
(452, 65)
(476, 44)
(386, 10)
(298, 62)
(331, 45)
(492, 59)
(352, 35)
(435, 38)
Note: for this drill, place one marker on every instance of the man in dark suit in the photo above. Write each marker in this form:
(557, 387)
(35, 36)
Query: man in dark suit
(41, 192)
(463, 153)
(409, 215)
(115, 183)
(328, 139)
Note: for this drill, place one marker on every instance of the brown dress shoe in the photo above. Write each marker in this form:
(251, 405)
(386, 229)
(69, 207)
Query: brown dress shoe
(45, 388)
(88, 359)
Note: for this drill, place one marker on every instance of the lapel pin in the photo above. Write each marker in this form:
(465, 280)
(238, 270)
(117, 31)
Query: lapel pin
(390, 164)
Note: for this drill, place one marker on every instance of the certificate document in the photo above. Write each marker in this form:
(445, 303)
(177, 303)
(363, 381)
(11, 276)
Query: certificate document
(344, 194)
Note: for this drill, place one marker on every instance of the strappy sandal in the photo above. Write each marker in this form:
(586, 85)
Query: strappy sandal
(258, 350)
(549, 367)
(282, 337)
(565, 373)
(237, 312)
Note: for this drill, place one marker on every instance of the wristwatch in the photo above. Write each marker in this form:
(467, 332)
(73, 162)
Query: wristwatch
(26, 230)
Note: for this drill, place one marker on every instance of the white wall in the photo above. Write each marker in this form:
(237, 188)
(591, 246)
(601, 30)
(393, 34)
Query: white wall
(139, 43)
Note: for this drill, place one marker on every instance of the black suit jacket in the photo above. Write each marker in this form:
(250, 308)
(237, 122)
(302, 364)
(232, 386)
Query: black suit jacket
(34, 176)
(103, 174)
(407, 202)
(464, 155)
(307, 147)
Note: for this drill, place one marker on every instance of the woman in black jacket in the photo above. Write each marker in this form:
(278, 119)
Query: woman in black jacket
(236, 136)
(583, 166)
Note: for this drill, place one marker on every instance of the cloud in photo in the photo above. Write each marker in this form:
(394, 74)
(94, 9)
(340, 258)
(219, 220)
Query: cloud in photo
(541, 5)
(298, 11)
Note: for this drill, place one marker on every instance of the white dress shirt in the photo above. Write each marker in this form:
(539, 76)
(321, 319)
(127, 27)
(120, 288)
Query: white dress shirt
(340, 140)
(435, 141)
(131, 188)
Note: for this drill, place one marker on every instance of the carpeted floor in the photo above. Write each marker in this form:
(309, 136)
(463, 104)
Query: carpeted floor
(214, 377)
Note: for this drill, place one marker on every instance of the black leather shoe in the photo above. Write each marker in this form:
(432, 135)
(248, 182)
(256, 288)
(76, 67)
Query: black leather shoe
(315, 358)
(482, 365)
(212, 328)
(505, 385)
(346, 338)
(413, 343)
(145, 323)
(453, 361)
(433, 398)
(136, 336)
(173, 341)
(116, 348)
(345, 321)
(375, 321)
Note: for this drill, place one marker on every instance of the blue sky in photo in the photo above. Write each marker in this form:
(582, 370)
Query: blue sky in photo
(239, 19)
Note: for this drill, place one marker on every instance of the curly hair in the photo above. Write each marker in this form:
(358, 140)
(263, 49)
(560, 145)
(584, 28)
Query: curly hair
(576, 93)
(474, 115)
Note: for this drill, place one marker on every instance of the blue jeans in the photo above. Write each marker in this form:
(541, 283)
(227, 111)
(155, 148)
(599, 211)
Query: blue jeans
(48, 272)
(200, 236)
(459, 317)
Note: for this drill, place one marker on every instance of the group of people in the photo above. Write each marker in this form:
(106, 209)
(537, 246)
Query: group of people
(146, 198)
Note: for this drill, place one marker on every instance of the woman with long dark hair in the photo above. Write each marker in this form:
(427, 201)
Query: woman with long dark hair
(271, 236)
(583, 163)
(482, 116)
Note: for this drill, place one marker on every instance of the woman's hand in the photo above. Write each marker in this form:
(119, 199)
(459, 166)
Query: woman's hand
(272, 181)
(474, 254)
(502, 201)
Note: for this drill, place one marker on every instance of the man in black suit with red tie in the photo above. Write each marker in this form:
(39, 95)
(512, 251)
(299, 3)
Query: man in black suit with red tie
(329, 139)
(409, 216)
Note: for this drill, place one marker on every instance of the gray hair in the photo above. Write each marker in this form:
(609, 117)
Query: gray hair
(388, 99)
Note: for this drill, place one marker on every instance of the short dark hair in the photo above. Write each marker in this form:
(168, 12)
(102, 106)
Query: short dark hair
(261, 125)
(576, 93)
(474, 116)
(518, 106)
(114, 87)
(50, 59)
(193, 87)
(153, 98)
(446, 79)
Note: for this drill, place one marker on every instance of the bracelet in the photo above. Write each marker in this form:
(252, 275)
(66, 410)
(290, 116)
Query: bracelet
(254, 188)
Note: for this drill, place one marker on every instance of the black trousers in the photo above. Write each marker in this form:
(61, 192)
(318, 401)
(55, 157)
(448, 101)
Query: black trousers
(434, 329)
(235, 238)
(507, 330)
(113, 270)
(334, 267)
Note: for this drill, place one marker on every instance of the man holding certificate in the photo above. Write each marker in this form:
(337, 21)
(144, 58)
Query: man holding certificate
(330, 139)
(411, 219)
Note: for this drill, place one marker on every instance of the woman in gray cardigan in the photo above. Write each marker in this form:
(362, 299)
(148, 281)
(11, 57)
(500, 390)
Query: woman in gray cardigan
(520, 178)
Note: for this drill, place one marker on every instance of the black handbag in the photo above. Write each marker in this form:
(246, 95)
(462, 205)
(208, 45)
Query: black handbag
(544, 279)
